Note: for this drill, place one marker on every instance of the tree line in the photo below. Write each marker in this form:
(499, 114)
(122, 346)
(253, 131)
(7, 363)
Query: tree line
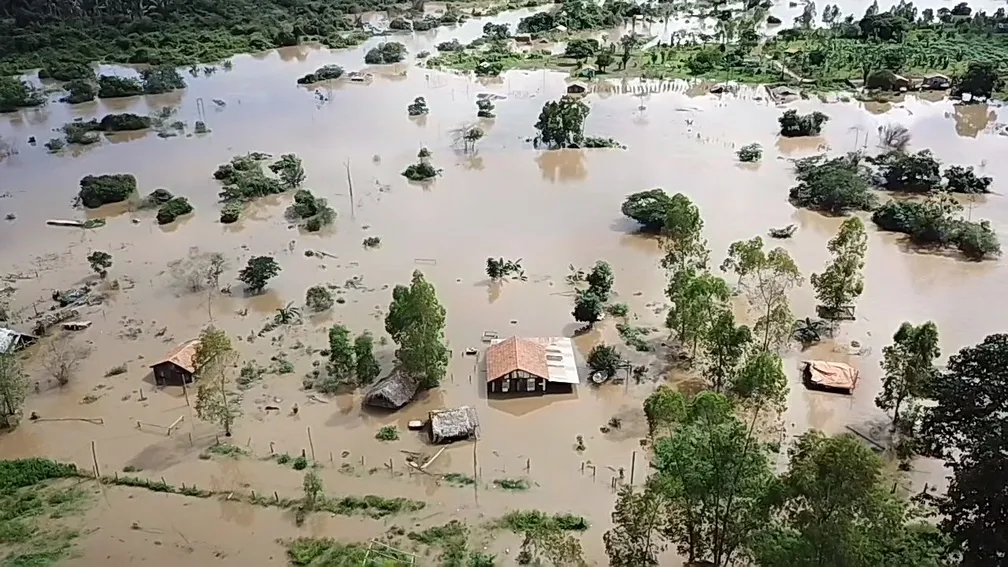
(714, 495)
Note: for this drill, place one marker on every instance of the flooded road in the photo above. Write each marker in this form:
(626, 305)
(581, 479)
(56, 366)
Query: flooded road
(552, 209)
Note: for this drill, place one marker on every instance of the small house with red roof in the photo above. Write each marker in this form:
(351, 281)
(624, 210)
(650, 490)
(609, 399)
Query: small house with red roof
(520, 366)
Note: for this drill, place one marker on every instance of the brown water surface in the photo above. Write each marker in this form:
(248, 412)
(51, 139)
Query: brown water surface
(551, 209)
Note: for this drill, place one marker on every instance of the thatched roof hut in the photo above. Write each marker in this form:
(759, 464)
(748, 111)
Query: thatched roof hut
(392, 392)
(456, 424)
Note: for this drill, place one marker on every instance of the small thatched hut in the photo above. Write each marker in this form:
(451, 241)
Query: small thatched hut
(456, 424)
(392, 392)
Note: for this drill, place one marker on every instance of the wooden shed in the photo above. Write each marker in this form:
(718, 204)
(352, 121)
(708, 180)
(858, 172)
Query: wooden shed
(177, 368)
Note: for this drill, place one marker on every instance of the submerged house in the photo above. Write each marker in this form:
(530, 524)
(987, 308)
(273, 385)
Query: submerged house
(577, 89)
(455, 424)
(830, 376)
(12, 341)
(531, 366)
(177, 367)
(392, 392)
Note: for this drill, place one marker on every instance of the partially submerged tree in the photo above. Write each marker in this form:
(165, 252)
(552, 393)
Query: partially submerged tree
(600, 280)
(62, 357)
(309, 211)
(913, 173)
(909, 369)
(367, 368)
(842, 282)
(695, 296)
(750, 153)
(724, 348)
(418, 107)
(639, 520)
(766, 278)
(13, 386)
(485, 108)
(318, 298)
(290, 170)
(561, 123)
(894, 137)
(649, 208)
(835, 186)
(385, 53)
(981, 79)
(215, 360)
(98, 190)
(341, 366)
(416, 322)
(794, 125)
(100, 262)
(604, 358)
(498, 269)
(588, 307)
(258, 271)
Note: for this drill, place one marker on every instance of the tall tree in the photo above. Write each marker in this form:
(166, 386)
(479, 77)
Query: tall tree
(766, 278)
(416, 322)
(13, 385)
(600, 280)
(639, 519)
(842, 282)
(694, 296)
(909, 367)
(682, 236)
(367, 366)
(714, 476)
(587, 306)
(967, 429)
(724, 347)
(214, 361)
(561, 122)
(341, 365)
(833, 506)
(664, 408)
(258, 271)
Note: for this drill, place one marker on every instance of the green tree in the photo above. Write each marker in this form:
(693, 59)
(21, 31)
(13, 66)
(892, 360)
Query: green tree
(13, 385)
(639, 519)
(416, 322)
(587, 307)
(664, 408)
(341, 365)
(909, 368)
(604, 358)
(682, 236)
(833, 506)
(318, 298)
(743, 257)
(312, 486)
(715, 476)
(290, 170)
(965, 428)
(600, 280)
(100, 262)
(980, 79)
(215, 360)
(835, 186)
(258, 271)
(842, 282)
(561, 122)
(767, 279)
(694, 298)
(649, 208)
(367, 366)
(724, 347)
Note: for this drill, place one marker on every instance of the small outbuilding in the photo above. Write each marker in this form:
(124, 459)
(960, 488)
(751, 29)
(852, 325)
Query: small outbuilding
(13, 341)
(531, 366)
(577, 89)
(392, 392)
(177, 368)
(830, 376)
(455, 424)
(936, 82)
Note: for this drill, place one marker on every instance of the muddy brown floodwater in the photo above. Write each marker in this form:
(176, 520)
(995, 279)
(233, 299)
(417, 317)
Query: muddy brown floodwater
(550, 208)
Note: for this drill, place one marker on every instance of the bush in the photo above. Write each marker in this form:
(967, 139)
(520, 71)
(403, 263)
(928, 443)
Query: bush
(15, 94)
(324, 73)
(452, 45)
(750, 153)
(161, 79)
(66, 71)
(111, 86)
(937, 221)
(155, 198)
(318, 298)
(173, 209)
(964, 180)
(55, 144)
(420, 171)
(387, 433)
(79, 91)
(604, 358)
(310, 211)
(793, 125)
(834, 186)
(385, 53)
(230, 212)
(98, 190)
(976, 240)
(704, 61)
(913, 173)
(123, 122)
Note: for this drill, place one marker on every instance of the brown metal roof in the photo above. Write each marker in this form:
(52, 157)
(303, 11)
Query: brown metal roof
(182, 355)
(516, 354)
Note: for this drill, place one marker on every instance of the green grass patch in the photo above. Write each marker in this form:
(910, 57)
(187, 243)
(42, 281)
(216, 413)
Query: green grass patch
(635, 336)
(387, 433)
(328, 552)
(227, 450)
(459, 479)
(32, 533)
(522, 521)
(370, 505)
(516, 484)
(19, 473)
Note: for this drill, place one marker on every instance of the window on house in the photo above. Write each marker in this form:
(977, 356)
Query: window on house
(505, 384)
(531, 385)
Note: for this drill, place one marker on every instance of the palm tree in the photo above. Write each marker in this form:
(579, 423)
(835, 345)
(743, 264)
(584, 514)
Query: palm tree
(288, 315)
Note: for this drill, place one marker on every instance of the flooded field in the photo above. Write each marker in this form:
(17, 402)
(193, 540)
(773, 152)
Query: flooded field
(552, 209)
